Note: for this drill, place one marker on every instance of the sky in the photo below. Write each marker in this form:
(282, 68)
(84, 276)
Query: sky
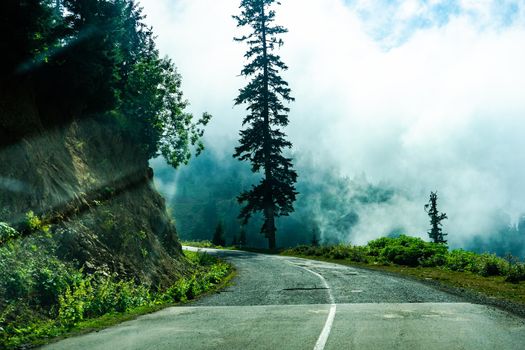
(420, 95)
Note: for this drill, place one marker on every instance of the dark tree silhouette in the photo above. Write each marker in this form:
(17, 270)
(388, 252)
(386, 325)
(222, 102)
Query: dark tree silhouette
(108, 66)
(436, 232)
(218, 236)
(315, 240)
(242, 236)
(261, 141)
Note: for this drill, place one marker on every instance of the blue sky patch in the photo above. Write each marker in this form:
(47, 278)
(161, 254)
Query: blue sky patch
(393, 22)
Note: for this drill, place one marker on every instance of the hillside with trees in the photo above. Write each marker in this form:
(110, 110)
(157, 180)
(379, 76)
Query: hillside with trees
(85, 102)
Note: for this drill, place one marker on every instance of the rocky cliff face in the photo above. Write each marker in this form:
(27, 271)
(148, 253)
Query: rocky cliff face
(94, 188)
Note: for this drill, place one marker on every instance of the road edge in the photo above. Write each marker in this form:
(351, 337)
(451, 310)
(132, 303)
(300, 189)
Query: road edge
(470, 295)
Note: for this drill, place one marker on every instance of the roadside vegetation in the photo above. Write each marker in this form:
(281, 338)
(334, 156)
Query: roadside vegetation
(202, 244)
(42, 297)
(497, 277)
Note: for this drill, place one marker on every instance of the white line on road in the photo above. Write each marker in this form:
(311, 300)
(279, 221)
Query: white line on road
(323, 337)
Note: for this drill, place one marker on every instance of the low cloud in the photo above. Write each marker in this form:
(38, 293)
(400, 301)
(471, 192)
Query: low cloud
(436, 102)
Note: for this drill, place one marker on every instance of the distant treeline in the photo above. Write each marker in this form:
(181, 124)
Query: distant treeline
(205, 194)
(328, 206)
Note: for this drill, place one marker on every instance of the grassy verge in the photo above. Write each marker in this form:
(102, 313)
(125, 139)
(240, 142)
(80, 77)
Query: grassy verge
(92, 303)
(492, 287)
(208, 244)
(203, 244)
(483, 278)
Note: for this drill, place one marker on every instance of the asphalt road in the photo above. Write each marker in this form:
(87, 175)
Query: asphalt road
(288, 303)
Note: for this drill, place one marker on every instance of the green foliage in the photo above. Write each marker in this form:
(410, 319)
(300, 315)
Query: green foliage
(461, 260)
(7, 233)
(73, 302)
(415, 252)
(339, 251)
(33, 223)
(92, 297)
(29, 271)
(32, 35)
(201, 258)
(188, 288)
(108, 65)
(262, 142)
(178, 291)
(409, 251)
(42, 297)
(153, 112)
(516, 273)
(490, 265)
(482, 264)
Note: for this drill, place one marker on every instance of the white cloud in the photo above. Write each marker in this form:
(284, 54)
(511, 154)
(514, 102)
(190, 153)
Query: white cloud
(444, 110)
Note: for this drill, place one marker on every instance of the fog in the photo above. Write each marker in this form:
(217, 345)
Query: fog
(407, 96)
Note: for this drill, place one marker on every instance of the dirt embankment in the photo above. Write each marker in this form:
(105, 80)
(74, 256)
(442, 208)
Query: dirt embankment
(92, 185)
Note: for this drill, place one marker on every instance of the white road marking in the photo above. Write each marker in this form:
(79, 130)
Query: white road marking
(323, 337)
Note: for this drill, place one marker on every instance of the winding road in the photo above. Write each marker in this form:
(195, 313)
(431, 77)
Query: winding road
(278, 302)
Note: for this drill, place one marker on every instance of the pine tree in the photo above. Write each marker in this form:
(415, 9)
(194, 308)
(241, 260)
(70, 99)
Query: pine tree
(436, 232)
(315, 240)
(218, 236)
(261, 141)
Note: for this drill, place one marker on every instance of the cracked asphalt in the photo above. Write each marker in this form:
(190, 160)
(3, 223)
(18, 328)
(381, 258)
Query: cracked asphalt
(277, 280)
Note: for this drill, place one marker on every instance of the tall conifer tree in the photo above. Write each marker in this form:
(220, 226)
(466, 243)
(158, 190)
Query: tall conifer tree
(436, 232)
(261, 141)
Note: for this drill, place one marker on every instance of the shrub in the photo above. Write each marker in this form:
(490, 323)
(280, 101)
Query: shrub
(47, 296)
(490, 265)
(72, 304)
(339, 251)
(376, 246)
(302, 250)
(178, 291)
(33, 223)
(29, 270)
(217, 272)
(516, 273)
(201, 259)
(7, 233)
(410, 251)
(358, 254)
(461, 260)
(96, 297)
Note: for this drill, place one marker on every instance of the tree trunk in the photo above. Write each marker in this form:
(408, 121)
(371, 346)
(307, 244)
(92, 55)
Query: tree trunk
(271, 241)
(269, 222)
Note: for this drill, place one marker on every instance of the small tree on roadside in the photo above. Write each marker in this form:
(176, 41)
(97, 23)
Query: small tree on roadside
(436, 232)
(218, 236)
